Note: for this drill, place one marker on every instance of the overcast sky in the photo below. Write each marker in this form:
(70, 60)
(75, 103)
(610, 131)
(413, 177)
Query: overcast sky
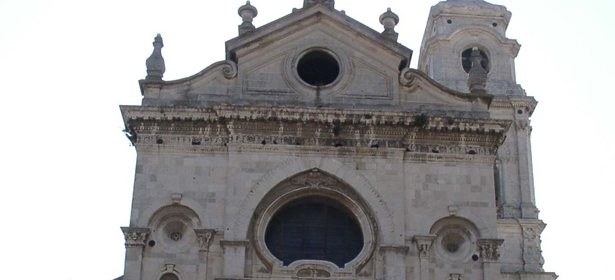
(66, 65)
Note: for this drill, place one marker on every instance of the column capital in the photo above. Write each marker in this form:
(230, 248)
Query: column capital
(423, 244)
(204, 238)
(135, 236)
(490, 249)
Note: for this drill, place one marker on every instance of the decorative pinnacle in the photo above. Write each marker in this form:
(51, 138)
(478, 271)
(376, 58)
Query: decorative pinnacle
(389, 20)
(477, 81)
(247, 13)
(155, 62)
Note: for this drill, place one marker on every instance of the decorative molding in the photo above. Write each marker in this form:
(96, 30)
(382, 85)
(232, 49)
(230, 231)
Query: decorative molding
(490, 249)
(134, 236)
(204, 238)
(402, 250)
(226, 125)
(234, 243)
(423, 244)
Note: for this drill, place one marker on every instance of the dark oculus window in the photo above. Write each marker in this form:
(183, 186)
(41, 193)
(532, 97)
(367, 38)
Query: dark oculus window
(314, 228)
(318, 68)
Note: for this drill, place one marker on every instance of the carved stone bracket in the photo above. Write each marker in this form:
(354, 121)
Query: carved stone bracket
(135, 237)
(423, 244)
(204, 238)
(490, 249)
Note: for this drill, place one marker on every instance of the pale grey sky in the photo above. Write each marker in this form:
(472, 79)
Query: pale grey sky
(66, 65)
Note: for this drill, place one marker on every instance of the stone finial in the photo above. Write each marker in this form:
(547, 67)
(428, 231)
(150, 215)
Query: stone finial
(389, 20)
(477, 81)
(247, 13)
(327, 3)
(155, 62)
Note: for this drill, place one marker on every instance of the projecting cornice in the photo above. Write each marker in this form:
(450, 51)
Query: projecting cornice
(236, 125)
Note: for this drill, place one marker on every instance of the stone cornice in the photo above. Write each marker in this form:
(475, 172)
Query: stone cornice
(228, 125)
(515, 102)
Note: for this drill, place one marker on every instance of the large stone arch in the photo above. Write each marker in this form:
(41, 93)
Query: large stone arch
(384, 217)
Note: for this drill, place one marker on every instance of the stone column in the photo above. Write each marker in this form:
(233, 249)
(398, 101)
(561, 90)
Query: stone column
(234, 258)
(532, 253)
(423, 244)
(490, 252)
(135, 242)
(204, 238)
(394, 262)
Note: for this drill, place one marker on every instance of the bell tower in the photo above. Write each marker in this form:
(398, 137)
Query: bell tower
(456, 27)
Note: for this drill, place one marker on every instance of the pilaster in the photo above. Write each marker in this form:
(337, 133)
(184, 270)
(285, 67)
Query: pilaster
(135, 242)
(394, 262)
(532, 253)
(490, 252)
(234, 258)
(204, 239)
(423, 245)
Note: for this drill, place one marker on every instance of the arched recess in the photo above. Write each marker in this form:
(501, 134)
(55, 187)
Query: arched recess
(156, 205)
(172, 229)
(317, 186)
(456, 239)
(384, 217)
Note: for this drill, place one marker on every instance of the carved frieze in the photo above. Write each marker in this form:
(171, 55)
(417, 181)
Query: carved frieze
(225, 125)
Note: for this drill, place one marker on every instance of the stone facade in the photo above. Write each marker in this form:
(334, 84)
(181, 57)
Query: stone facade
(317, 106)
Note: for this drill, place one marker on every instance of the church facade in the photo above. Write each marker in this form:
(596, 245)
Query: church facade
(314, 152)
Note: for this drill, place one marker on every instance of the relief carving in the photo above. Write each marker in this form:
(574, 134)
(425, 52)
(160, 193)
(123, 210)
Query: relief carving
(204, 238)
(490, 249)
(313, 273)
(135, 237)
(532, 253)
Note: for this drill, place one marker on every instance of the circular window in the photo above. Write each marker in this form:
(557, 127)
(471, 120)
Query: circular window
(452, 242)
(314, 228)
(466, 60)
(318, 68)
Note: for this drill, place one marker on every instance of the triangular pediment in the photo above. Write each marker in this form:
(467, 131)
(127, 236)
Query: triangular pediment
(306, 18)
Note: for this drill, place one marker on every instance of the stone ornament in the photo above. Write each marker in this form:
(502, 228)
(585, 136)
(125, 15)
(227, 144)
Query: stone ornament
(477, 81)
(389, 20)
(490, 249)
(135, 237)
(423, 244)
(155, 63)
(247, 13)
(204, 238)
